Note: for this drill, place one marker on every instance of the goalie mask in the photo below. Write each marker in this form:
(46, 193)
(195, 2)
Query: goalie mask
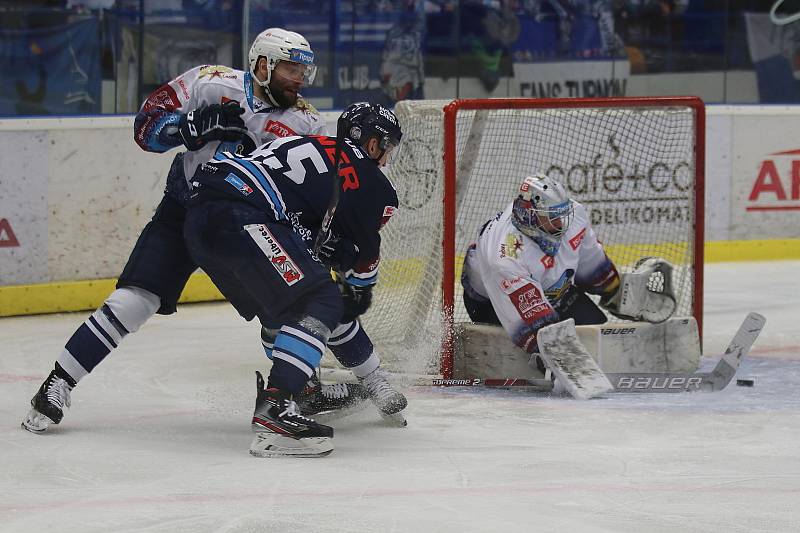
(542, 211)
(363, 121)
(277, 44)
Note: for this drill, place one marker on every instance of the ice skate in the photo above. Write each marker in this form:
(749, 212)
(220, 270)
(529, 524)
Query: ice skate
(282, 431)
(48, 404)
(326, 402)
(386, 398)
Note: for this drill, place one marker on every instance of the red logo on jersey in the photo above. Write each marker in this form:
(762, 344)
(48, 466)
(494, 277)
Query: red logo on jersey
(530, 304)
(508, 285)
(278, 129)
(184, 89)
(165, 96)
(388, 211)
(577, 239)
(280, 260)
(224, 100)
(548, 261)
(7, 237)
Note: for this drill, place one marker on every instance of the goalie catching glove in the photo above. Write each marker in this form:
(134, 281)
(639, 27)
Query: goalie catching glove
(644, 294)
(212, 123)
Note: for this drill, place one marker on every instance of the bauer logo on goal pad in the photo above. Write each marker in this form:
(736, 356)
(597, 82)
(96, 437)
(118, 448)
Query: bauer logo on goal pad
(655, 382)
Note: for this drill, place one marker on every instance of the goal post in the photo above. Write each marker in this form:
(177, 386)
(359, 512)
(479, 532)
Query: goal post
(635, 163)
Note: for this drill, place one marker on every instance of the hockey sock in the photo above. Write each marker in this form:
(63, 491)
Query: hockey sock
(123, 312)
(297, 352)
(353, 348)
(268, 336)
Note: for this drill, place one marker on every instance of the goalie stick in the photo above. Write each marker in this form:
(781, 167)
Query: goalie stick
(715, 380)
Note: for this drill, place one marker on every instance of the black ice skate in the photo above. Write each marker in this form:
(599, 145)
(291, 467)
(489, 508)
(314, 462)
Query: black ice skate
(282, 431)
(48, 404)
(330, 402)
(386, 398)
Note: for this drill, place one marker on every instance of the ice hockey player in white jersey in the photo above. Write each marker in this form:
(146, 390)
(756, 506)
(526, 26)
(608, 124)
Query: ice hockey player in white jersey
(534, 263)
(207, 110)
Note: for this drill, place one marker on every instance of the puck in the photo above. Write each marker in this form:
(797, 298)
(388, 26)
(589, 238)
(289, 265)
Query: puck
(744, 382)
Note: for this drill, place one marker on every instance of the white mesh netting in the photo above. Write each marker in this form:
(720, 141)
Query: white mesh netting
(632, 166)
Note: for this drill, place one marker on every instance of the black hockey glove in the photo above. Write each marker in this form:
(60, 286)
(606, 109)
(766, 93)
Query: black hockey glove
(356, 301)
(212, 123)
(337, 253)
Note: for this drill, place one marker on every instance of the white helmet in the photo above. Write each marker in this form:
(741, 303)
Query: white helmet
(277, 44)
(543, 211)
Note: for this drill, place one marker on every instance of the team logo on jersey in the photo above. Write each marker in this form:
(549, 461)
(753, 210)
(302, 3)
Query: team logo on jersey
(576, 241)
(530, 304)
(216, 71)
(558, 289)
(237, 182)
(278, 129)
(277, 256)
(512, 245)
(548, 261)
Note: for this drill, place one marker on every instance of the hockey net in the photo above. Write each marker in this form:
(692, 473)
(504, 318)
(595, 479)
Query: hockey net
(636, 163)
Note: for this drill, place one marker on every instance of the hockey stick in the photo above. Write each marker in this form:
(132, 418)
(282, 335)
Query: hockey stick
(713, 381)
(322, 235)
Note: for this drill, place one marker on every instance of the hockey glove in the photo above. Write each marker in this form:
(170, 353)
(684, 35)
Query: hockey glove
(644, 294)
(356, 301)
(212, 123)
(337, 253)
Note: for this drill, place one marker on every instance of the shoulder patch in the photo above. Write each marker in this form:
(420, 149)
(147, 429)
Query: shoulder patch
(511, 246)
(216, 71)
(304, 105)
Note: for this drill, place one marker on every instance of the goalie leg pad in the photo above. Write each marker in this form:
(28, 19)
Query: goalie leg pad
(571, 363)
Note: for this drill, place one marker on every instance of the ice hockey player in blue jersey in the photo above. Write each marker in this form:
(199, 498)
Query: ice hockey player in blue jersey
(208, 109)
(252, 224)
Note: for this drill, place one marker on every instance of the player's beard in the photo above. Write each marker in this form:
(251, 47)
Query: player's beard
(283, 96)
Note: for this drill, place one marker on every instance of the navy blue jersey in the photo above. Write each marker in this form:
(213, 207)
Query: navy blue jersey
(290, 179)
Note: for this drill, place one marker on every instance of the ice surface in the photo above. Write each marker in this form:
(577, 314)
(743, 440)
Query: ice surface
(157, 439)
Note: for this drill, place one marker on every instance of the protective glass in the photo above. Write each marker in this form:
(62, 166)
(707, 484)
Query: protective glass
(296, 72)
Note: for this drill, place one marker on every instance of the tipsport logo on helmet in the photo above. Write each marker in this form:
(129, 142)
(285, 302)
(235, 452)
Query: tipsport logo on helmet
(301, 56)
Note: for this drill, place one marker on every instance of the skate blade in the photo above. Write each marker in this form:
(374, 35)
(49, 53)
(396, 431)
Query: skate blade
(36, 422)
(274, 445)
(323, 417)
(396, 420)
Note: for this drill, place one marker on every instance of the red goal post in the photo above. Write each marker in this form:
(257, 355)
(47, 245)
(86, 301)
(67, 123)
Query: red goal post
(636, 163)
